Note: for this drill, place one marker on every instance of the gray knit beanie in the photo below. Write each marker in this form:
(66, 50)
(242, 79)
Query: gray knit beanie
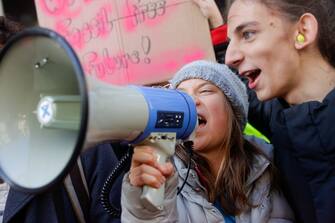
(222, 77)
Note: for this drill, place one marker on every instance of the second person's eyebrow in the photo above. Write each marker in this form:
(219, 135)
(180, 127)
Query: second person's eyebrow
(240, 27)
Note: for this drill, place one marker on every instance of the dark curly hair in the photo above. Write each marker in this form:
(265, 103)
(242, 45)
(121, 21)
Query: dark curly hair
(8, 28)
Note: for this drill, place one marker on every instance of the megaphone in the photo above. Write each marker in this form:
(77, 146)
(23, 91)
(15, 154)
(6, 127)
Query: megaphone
(50, 112)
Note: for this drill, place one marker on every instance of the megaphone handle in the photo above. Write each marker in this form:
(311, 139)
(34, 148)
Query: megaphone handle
(153, 198)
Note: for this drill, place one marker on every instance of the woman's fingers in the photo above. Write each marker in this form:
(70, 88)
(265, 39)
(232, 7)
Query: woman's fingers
(166, 169)
(145, 170)
(146, 175)
(143, 155)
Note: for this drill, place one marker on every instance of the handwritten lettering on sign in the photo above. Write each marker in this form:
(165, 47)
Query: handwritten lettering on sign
(130, 41)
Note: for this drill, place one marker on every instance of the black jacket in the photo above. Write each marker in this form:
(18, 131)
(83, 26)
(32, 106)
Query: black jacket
(54, 206)
(304, 140)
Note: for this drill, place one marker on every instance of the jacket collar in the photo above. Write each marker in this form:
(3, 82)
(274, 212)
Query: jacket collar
(260, 162)
(193, 178)
(259, 166)
(329, 98)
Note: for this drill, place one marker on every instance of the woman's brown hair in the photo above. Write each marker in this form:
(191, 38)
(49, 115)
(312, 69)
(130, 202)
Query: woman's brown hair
(237, 157)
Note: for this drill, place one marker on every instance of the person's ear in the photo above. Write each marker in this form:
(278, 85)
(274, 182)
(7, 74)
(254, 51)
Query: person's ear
(307, 31)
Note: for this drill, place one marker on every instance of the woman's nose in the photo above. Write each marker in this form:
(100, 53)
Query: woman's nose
(196, 100)
(234, 56)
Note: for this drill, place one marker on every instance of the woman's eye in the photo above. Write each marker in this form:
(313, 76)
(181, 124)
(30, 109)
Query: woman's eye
(247, 35)
(205, 91)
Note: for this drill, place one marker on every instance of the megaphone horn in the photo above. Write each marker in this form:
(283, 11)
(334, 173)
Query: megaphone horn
(48, 114)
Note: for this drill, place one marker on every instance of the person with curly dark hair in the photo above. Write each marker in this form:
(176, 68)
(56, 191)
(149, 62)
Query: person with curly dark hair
(8, 28)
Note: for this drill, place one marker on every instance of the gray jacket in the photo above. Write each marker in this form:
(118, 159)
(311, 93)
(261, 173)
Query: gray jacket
(191, 204)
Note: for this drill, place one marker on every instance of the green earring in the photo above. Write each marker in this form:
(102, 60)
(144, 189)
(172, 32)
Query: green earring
(300, 38)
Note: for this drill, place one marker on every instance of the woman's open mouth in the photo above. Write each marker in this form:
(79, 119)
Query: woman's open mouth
(252, 76)
(201, 121)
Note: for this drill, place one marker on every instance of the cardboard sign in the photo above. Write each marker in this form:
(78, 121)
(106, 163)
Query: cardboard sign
(130, 41)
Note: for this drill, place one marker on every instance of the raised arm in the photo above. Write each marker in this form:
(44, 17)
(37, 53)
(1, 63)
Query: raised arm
(211, 11)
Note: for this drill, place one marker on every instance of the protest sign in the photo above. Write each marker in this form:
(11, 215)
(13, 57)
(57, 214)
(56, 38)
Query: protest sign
(130, 41)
